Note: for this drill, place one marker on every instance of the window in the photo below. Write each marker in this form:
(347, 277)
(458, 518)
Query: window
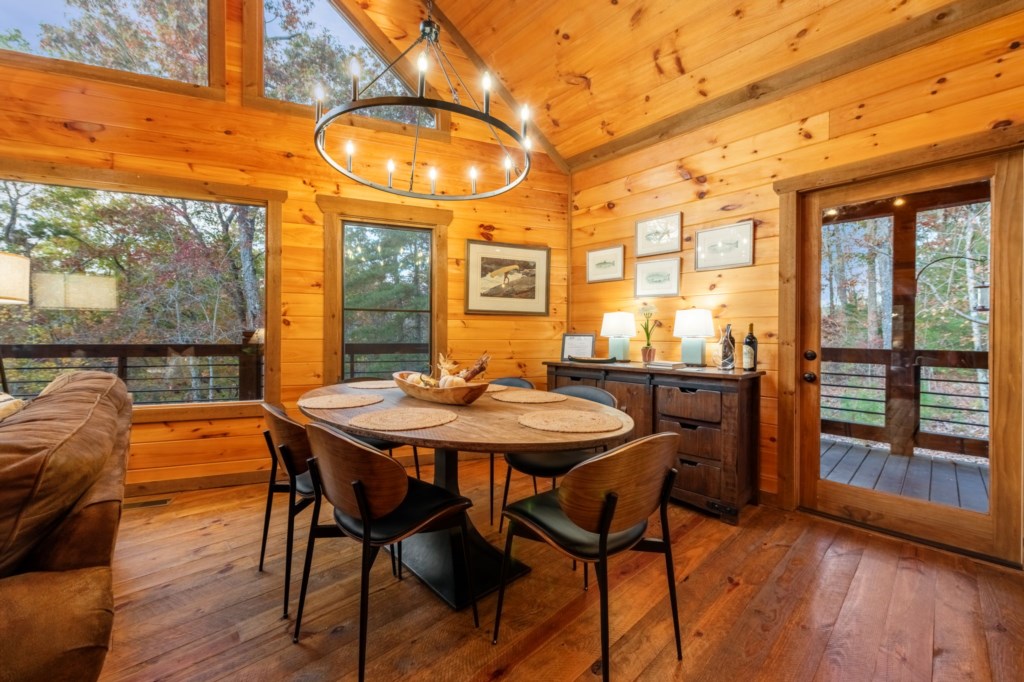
(162, 38)
(308, 43)
(166, 292)
(386, 286)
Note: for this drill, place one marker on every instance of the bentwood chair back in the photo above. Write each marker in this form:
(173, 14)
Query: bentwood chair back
(602, 509)
(376, 504)
(289, 449)
(514, 382)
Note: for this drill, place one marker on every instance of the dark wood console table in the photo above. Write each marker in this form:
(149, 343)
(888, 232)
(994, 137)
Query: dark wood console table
(716, 414)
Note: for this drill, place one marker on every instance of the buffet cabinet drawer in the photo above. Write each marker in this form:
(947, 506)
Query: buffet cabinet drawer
(698, 477)
(696, 441)
(689, 403)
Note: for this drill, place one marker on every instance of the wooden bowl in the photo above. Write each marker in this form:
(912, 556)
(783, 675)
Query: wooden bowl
(457, 395)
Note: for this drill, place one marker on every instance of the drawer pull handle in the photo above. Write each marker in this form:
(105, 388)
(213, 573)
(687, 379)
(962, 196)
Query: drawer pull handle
(688, 463)
(687, 390)
(689, 427)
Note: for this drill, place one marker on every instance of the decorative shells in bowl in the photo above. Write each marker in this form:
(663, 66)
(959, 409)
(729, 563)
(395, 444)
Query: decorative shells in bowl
(454, 395)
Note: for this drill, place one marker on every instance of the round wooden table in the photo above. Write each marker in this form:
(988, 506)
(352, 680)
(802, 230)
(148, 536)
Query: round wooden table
(488, 425)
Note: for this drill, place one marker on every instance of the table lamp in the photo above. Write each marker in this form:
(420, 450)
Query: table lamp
(692, 326)
(619, 328)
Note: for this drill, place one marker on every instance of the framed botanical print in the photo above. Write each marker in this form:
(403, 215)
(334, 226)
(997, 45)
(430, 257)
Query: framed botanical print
(658, 277)
(606, 265)
(658, 235)
(728, 246)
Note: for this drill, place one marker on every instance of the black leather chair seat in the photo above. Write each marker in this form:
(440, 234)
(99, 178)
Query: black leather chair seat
(548, 464)
(423, 502)
(378, 443)
(304, 484)
(542, 514)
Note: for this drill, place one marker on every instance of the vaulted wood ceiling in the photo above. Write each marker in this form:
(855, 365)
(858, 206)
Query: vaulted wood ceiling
(606, 76)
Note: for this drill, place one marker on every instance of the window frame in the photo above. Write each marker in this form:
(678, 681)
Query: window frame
(339, 210)
(253, 94)
(271, 200)
(215, 67)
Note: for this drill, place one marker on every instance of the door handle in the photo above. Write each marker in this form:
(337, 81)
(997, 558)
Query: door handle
(810, 377)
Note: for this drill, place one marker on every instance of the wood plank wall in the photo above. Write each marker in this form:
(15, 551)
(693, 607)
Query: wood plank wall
(723, 172)
(95, 124)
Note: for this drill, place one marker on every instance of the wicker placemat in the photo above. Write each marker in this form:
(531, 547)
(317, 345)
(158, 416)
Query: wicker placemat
(494, 388)
(377, 383)
(530, 397)
(403, 419)
(338, 400)
(571, 421)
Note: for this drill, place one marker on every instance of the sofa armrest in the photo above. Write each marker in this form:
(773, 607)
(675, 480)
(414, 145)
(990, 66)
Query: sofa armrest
(56, 625)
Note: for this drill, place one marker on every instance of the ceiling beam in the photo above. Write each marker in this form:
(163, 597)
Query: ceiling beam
(479, 63)
(937, 24)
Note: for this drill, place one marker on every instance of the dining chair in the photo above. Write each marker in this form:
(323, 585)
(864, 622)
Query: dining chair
(515, 382)
(375, 503)
(602, 509)
(554, 464)
(289, 449)
(380, 443)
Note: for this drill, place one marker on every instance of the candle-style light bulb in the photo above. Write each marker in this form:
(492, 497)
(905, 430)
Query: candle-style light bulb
(487, 93)
(433, 180)
(391, 171)
(318, 95)
(508, 169)
(524, 114)
(355, 69)
(349, 151)
(526, 143)
(472, 178)
(421, 66)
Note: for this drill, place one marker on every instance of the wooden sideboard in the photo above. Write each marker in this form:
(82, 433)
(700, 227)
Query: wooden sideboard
(715, 413)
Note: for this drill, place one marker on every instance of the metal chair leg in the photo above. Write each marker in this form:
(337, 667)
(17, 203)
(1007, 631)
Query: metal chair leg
(305, 580)
(266, 516)
(504, 496)
(492, 488)
(288, 549)
(369, 554)
(586, 576)
(506, 561)
(602, 583)
(416, 460)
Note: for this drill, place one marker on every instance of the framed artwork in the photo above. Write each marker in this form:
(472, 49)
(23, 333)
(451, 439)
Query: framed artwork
(605, 265)
(578, 346)
(507, 279)
(658, 235)
(728, 246)
(657, 277)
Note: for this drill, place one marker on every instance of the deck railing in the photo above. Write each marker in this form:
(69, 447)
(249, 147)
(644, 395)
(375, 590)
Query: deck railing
(381, 359)
(933, 399)
(154, 373)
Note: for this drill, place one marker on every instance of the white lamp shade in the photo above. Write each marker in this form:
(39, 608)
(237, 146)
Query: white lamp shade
(618, 324)
(693, 323)
(14, 278)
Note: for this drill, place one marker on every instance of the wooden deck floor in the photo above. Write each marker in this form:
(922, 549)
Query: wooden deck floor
(782, 596)
(955, 484)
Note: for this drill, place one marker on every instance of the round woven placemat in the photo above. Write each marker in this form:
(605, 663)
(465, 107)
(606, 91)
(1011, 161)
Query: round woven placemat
(530, 397)
(494, 388)
(377, 383)
(337, 400)
(571, 421)
(403, 419)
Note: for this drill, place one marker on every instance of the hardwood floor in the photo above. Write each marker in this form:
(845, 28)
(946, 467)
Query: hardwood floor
(783, 596)
(943, 481)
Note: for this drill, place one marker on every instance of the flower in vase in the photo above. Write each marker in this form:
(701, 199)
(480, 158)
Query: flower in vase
(648, 325)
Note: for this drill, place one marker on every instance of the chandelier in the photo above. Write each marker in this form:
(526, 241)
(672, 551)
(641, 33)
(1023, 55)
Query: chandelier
(512, 167)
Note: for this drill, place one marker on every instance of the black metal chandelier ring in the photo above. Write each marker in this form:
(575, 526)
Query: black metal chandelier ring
(319, 137)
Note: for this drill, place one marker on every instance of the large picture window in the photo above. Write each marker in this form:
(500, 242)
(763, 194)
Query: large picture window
(166, 292)
(162, 38)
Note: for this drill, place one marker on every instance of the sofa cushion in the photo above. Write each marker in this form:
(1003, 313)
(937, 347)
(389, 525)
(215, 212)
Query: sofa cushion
(50, 454)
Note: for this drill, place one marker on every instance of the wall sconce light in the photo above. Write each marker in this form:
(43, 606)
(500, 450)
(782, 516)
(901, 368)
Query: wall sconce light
(693, 326)
(619, 328)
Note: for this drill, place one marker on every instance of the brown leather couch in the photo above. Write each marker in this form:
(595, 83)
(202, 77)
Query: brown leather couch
(62, 469)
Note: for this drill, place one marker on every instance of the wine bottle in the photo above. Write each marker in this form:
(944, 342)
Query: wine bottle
(728, 349)
(750, 351)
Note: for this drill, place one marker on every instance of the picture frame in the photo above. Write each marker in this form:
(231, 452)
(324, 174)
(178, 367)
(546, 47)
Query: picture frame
(660, 234)
(728, 246)
(578, 346)
(606, 265)
(657, 277)
(507, 279)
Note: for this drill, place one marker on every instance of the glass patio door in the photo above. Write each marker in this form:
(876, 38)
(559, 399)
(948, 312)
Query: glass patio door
(896, 357)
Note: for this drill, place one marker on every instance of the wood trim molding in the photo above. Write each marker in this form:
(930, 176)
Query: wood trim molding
(339, 209)
(153, 414)
(788, 457)
(933, 26)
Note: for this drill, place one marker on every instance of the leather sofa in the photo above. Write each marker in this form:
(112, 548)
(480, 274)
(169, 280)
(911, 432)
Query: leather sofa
(62, 470)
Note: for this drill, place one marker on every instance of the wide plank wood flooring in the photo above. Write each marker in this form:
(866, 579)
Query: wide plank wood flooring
(782, 596)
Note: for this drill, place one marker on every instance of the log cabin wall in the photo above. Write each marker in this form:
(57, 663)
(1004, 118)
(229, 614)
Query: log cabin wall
(75, 123)
(723, 172)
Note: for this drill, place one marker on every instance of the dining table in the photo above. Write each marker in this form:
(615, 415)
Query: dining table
(489, 424)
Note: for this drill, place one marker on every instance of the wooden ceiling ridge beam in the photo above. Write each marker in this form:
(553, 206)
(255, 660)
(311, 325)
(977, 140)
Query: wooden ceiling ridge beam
(479, 63)
(935, 25)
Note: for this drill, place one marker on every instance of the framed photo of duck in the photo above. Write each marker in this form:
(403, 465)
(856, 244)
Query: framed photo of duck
(728, 246)
(660, 234)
